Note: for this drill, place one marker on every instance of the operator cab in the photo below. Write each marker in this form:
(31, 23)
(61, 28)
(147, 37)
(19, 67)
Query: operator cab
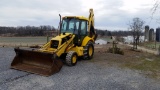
(75, 26)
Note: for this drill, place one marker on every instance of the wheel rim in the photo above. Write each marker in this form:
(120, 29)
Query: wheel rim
(90, 51)
(74, 59)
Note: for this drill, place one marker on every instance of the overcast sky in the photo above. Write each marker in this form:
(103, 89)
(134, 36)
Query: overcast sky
(109, 14)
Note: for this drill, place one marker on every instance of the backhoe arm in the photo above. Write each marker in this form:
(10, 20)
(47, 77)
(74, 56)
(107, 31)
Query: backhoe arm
(91, 31)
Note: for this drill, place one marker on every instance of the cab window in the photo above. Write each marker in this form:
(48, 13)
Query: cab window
(83, 27)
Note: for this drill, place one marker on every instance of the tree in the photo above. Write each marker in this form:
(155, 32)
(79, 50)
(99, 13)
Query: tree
(155, 6)
(136, 26)
(155, 9)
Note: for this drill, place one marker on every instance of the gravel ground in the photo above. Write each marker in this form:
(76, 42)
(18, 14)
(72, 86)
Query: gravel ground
(86, 75)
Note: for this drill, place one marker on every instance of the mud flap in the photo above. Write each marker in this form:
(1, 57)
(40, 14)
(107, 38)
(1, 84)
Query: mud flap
(36, 62)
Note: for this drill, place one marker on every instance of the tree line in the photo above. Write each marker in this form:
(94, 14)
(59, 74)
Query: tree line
(25, 30)
(113, 33)
(46, 30)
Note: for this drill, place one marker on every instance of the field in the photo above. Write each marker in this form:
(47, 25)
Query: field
(22, 41)
(28, 41)
(148, 63)
(151, 45)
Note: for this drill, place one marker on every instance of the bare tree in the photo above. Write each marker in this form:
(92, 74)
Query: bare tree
(136, 26)
(155, 9)
(155, 6)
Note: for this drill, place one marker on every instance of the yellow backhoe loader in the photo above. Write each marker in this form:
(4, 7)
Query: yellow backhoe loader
(75, 39)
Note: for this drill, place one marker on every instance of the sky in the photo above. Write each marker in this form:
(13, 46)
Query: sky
(109, 14)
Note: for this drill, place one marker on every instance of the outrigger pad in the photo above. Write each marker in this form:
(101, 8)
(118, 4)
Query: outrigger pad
(36, 62)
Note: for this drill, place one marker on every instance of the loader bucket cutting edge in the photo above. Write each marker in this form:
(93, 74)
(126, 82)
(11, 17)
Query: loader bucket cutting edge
(36, 62)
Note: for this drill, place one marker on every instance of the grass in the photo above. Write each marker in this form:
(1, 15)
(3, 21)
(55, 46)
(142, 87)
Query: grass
(151, 44)
(22, 41)
(149, 64)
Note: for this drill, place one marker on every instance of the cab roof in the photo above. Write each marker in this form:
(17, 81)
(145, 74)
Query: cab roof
(79, 17)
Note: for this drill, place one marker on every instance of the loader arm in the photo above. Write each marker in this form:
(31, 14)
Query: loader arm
(63, 47)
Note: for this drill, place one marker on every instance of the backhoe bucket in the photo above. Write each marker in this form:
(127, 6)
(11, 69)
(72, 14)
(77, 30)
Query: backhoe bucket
(36, 62)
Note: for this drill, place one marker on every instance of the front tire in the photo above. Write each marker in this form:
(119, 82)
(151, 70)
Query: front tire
(88, 51)
(71, 58)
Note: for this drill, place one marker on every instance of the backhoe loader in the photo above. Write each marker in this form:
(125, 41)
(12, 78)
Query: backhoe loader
(75, 39)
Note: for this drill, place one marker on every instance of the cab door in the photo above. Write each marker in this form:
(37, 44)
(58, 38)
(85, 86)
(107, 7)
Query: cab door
(82, 31)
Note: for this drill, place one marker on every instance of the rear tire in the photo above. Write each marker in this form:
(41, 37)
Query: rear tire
(71, 58)
(88, 51)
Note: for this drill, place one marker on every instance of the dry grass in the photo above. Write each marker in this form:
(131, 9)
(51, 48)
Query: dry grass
(146, 63)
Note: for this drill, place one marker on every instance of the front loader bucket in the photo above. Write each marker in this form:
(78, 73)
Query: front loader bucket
(36, 62)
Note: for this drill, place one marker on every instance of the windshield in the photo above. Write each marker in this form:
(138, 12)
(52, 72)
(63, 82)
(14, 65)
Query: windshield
(70, 25)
